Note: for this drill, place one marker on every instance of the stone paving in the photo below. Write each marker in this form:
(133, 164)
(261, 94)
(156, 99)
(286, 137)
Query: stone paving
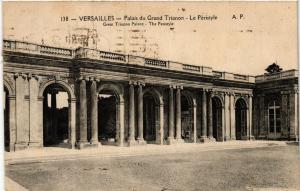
(232, 166)
(56, 153)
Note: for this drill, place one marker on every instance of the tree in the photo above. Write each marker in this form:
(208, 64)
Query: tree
(273, 68)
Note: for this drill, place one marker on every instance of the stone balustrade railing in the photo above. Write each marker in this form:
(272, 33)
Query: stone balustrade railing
(277, 76)
(26, 47)
(80, 52)
(234, 77)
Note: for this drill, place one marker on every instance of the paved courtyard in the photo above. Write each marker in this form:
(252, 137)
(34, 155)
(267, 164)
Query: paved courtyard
(271, 167)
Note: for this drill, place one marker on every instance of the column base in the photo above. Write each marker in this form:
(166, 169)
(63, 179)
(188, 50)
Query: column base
(251, 138)
(232, 138)
(294, 138)
(170, 141)
(34, 145)
(212, 139)
(204, 139)
(11, 147)
(132, 143)
(20, 146)
(227, 138)
(95, 143)
(141, 142)
(179, 141)
(85, 145)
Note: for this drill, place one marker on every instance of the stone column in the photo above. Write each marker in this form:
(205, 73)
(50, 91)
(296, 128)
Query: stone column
(294, 115)
(122, 122)
(161, 122)
(131, 139)
(223, 123)
(12, 122)
(227, 116)
(263, 131)
(94, 113)
(203, 137)
(195, 122)
(83, 115)
(171, 116)
(178, 116)
(72, 122)
(232, 117)
(209, 117)
(245, 133)
(251, 137)
(140, 114)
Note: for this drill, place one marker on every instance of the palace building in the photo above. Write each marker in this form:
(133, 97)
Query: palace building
(125, 100)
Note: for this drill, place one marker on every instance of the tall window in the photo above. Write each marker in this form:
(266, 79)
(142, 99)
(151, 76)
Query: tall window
(274, 117)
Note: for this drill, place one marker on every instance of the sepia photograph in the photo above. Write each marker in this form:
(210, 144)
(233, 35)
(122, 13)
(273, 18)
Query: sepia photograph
(150, 96)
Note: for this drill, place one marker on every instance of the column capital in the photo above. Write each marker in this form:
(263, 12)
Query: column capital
(80, 78)
(140, 83)
(132, 82)
(32, 76)
(207, 90)
(92, 79)
(172, 86)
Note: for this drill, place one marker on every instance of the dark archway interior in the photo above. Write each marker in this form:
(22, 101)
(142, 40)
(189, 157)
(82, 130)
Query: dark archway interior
(150, 118)
(6, 119)
(217, 118)
(107, 126)
(55, 115)
(240, 118)
(186, 119)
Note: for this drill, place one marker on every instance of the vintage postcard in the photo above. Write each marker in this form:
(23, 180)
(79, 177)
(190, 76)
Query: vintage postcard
(151, 96)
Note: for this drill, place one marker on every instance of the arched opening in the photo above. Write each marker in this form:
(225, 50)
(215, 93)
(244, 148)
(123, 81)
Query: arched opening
(274, 119)
(240, 118)
(6, 119)
(107, 117)
(217, 118)
(55, 115)
(186, 119)
(150, 120)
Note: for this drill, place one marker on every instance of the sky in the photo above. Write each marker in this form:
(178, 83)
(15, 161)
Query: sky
(266, 33)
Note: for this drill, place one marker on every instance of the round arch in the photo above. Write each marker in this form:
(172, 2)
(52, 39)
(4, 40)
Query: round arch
(217, 117)
(241, 108)
(116, 135)
(220, 99)
(116, 89)
(190, 97)
(62, 83)
(155, 93)
(188, 116)
(69, 115)
(153, 114)
(242, 100)
(9, 87)
(9, 114)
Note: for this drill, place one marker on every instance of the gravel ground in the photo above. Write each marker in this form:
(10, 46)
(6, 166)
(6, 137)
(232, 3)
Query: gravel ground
(269, 168)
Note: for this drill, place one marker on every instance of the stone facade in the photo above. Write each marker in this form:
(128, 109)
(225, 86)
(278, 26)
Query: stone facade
(276, 94)
(128, 100)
